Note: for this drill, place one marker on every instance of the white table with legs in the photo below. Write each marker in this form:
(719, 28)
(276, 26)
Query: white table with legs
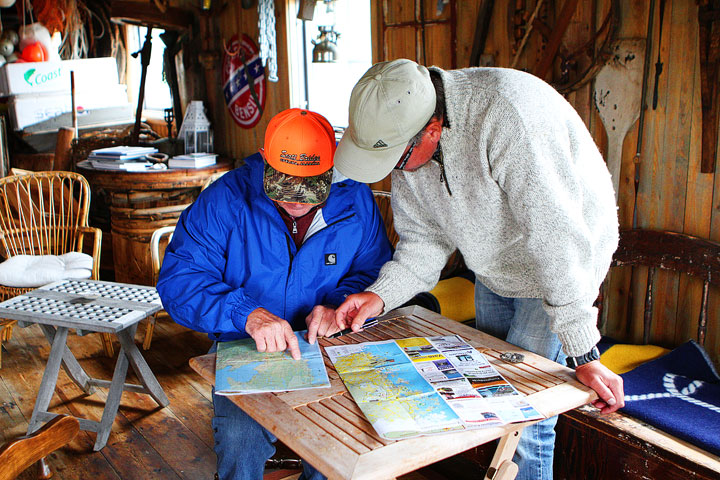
(88, 306)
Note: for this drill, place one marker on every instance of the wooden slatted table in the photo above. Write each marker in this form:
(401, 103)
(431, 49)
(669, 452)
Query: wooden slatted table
(326, 427)
(88, 306)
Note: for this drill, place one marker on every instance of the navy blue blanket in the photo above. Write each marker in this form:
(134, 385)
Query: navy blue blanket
(678, 393)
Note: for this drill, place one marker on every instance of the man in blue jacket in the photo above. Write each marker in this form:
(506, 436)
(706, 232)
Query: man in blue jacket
(270, 248)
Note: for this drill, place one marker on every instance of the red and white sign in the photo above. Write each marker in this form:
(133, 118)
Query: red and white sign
(242, 71)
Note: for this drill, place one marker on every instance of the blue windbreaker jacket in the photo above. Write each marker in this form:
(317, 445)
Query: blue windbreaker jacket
(231, 253)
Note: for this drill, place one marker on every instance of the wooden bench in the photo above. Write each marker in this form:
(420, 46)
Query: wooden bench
(593, 446)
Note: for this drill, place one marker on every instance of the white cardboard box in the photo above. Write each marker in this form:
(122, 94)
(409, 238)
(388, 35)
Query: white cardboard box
(42, 77)
(27, 110)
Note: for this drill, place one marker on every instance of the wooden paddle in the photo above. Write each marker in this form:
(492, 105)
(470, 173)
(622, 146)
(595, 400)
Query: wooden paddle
(617, 97)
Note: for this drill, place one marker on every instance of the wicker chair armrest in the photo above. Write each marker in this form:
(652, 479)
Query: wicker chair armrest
(96, 247)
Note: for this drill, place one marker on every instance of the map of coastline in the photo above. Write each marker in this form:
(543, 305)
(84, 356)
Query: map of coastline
(241, 369)
(420, 386)
(394, 397)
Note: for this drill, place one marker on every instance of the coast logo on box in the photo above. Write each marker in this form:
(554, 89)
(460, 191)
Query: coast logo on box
(40, 78)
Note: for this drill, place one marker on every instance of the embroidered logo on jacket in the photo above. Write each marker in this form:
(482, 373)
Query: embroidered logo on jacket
(331, 259)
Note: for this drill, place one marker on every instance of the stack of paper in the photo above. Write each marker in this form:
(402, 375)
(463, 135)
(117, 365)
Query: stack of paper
(121, 158)
(121, 153)
(128, 166)
(192, 160)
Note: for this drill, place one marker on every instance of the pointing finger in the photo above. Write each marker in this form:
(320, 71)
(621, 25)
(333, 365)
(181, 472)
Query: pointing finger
(312, 329)
(292, 345)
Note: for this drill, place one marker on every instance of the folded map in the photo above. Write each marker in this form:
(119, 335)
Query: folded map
(241, 369)
(420, 386)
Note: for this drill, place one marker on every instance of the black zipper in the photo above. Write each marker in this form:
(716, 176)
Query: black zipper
(439, 158)
(287, 278)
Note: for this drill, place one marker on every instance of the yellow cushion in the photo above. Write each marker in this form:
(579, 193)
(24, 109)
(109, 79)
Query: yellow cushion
(623, 358)
(456, 296)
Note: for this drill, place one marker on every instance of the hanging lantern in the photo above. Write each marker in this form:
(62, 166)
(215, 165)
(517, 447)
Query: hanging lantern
(325, 50)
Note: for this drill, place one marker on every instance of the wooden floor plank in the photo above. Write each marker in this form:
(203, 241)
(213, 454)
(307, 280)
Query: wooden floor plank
(12, 421)
(22, 372)
(146, 441)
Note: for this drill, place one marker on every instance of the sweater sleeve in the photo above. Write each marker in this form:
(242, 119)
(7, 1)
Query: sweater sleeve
(420, 254)
(191, 283)
(561, 197)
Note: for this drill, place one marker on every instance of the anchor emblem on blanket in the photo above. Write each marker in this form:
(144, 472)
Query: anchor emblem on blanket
(672, 391)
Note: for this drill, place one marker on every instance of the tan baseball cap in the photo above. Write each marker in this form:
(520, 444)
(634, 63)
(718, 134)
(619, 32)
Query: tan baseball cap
(389, 105)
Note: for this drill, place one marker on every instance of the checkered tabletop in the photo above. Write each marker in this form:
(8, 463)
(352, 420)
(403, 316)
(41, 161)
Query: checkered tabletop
(84, 304)
(117, 291)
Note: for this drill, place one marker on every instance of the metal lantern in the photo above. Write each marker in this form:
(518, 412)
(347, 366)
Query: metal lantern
(195, 130)
(325, 50)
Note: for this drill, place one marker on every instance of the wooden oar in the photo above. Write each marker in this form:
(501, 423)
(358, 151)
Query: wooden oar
(617, 97)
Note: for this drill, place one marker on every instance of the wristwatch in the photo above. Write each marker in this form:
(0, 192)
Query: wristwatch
(593, 354)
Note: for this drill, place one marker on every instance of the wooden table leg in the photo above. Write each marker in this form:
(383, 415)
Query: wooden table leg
(113, 401)
(142, 370)
(502, 467)
(49, 378)
(76, 373)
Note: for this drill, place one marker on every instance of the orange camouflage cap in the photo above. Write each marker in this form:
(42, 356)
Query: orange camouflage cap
(298, 151)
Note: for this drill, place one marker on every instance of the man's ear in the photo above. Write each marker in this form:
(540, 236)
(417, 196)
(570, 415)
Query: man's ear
(434, 129)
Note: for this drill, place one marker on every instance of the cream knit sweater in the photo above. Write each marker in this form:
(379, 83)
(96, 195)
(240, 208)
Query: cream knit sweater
(532, 207)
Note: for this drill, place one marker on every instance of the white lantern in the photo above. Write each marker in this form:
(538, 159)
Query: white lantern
(195, 130)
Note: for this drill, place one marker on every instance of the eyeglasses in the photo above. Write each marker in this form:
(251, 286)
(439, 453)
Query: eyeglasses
(405, 158)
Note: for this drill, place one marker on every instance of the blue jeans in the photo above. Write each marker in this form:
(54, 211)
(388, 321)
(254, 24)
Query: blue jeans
(523, 322)
(242, 445)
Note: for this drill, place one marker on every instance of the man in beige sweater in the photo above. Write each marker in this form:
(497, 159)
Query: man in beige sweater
(496, 163)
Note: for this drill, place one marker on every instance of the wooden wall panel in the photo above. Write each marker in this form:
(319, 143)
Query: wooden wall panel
(465, 24)
(667, 192)
(401, 42)
(437, 46)
(399, 11)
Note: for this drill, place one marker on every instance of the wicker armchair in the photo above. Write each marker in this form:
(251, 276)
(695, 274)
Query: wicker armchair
(158, 242)
(46, 213)
(383, 202)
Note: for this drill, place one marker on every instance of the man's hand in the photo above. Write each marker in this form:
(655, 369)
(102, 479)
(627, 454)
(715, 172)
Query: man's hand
(271, 333)
(607, 384)
(357, 308)
(320, 323)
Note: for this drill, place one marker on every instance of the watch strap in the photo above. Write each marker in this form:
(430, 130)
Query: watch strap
(593, 354)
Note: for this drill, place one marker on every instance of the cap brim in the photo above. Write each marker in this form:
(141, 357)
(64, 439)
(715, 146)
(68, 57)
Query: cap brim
(282, 187)
(367, 166)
